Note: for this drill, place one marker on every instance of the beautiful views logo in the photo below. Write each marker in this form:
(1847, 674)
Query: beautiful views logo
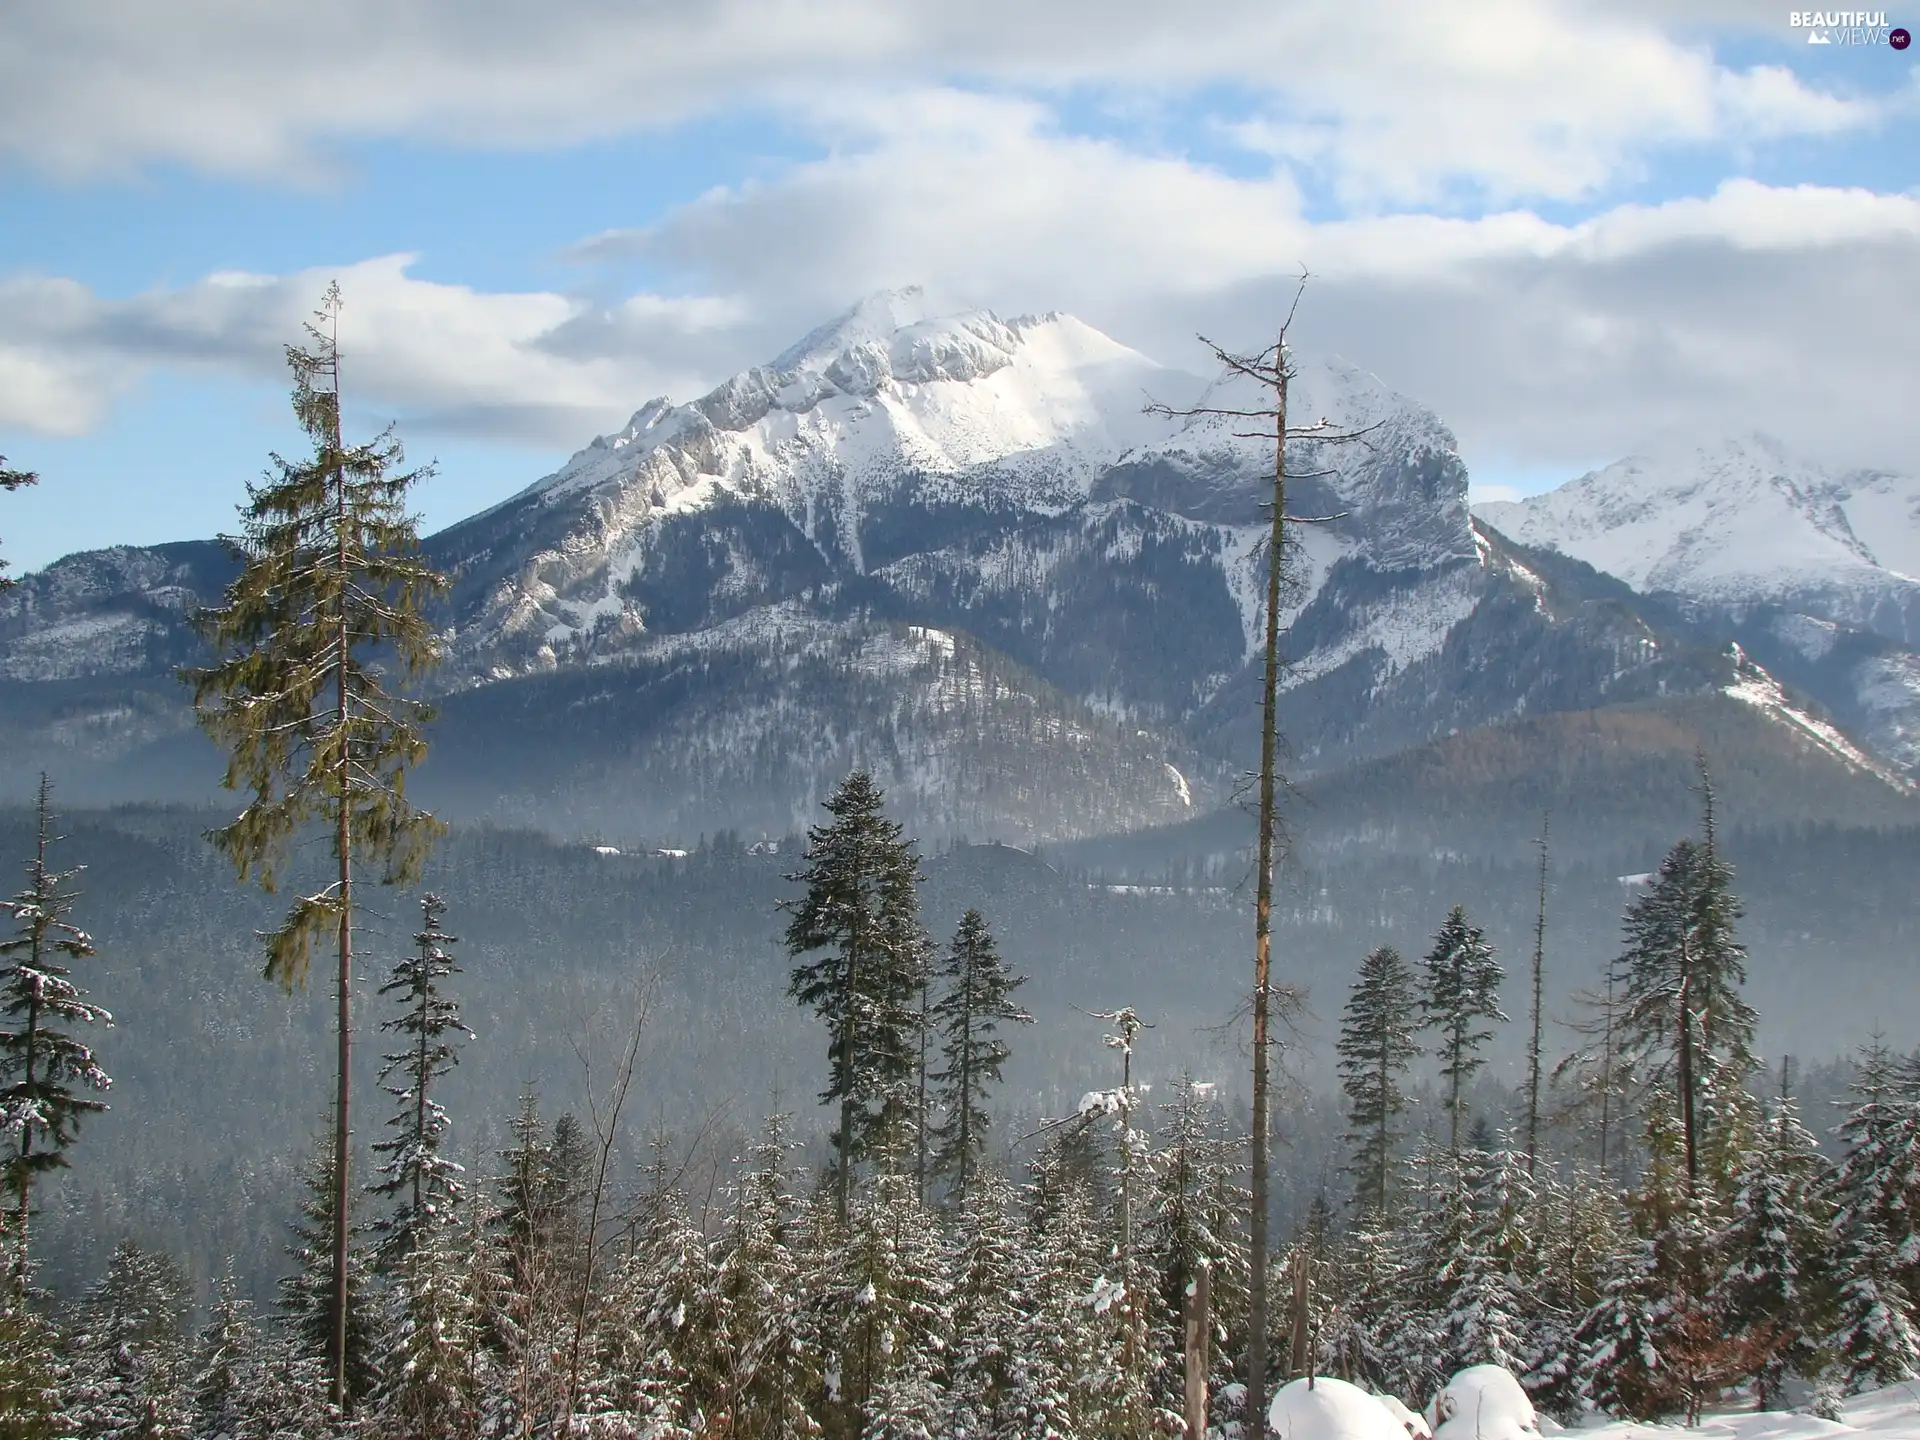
(1848, 27)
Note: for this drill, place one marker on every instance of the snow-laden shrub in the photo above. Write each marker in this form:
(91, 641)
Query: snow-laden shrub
(1483, 1402)
(1328, 1409)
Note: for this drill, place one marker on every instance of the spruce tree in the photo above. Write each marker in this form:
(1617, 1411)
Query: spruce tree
(330, 599)
(1459, 991)
(29, 1370)
(12, 480)
(1683, 1021)
(861, 907)
(425, 1183)
(881, 1301)
(431, 1388)
(1874, 1232)
(1536, 1011)
(1490, 1281)
(130, 1351)
(768, 1361)
(308, 1294)
(537, 1223)
(45, 1069)
(658, 1349)
(1773, 1244)
(977, 1000)
(1195, 1219)
(1376, 1045)
(987, 1293)
(224, 1361)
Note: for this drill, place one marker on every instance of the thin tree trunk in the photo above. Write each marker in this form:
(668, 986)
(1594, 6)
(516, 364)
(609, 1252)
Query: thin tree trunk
(1263, 921)
(343, 844)
(1533, 1045)
(1686, 1091)
(1606, 1075)
(420, 1099)
(1199, 1349)
(920, 1123)
(1380, 1161)
(1458, 1041)
(1301, 1356)
(843, 1196)
(966, 1076)
(606, 1134)
(24, 1212)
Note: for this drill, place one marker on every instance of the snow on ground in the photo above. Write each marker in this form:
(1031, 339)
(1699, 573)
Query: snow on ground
(1892, 1412)
(1487, 1403)
(1756, 687)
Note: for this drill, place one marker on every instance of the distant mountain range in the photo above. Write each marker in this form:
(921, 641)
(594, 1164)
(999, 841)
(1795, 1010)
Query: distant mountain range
(956, 549)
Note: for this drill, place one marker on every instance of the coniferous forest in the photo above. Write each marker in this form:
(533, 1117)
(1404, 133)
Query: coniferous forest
(1645, 1224)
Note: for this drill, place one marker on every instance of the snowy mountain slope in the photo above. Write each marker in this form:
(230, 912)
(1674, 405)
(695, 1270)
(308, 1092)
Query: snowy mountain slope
(1816, 575)
(124, 611)
(1741, 522)
(747, 724)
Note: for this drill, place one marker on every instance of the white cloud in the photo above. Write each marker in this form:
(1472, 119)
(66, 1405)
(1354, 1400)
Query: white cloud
(1782, 307)
(1402, 98)
(445, 356)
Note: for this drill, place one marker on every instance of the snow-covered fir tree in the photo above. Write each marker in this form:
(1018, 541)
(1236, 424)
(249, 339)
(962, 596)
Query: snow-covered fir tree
(861, 907)
(1375, 1047)
(307, 1294)
(1772, 1250)
(881, 1303)
(48, 1074)
(431, 1386)
(225, 1358)
(768, 1367)
(538, 1225)
(656, 1362)
(987, 1295)
(30, 1369)
(1459, 998)
(1872, 1232)
(975, 1001)
(129, 1351)
(1684, 1024)
(415, 1174)
(1487, 1285)
(1196, 1215)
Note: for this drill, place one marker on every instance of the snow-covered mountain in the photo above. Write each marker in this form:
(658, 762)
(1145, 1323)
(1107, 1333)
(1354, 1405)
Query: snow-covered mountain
(911, 531)
(1815, 573)
(1742, 522)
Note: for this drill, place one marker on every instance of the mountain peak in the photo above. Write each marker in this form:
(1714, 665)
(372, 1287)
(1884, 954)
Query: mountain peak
(876, 317)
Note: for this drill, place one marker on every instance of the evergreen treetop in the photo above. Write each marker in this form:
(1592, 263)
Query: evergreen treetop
(861, 907)
(1377, 1043)
(46, 1070)
(1459, 995)
(977, 1000)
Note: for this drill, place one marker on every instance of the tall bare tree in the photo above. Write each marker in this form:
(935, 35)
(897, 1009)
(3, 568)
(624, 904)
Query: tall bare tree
(331, 595)
(1269, 373)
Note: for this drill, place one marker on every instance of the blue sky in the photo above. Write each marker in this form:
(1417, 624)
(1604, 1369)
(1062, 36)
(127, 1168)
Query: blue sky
(1568, 228)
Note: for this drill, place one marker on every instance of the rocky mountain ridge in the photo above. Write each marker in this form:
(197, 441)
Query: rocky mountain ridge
(957, 548)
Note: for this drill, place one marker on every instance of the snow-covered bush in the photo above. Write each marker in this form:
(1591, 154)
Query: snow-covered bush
(1328, 1409)
(1483, 1402)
